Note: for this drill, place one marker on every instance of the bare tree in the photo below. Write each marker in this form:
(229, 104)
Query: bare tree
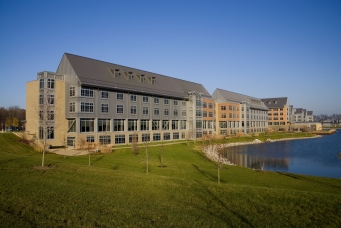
(134, 146)
(146, 147)
(219, 152)
(161, 151)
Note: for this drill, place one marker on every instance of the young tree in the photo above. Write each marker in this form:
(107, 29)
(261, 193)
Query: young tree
(219, 152)
(161, 151)
(146, 147)
(134, 146)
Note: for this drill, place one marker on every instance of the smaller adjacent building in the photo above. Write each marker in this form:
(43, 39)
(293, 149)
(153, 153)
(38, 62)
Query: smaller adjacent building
(302, 115)
(239, 113)
(279, 112)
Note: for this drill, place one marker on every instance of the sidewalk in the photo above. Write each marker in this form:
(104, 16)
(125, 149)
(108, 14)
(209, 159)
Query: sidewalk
(68, 151)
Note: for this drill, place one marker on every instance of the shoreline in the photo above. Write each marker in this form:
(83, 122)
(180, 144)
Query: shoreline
(212, 154)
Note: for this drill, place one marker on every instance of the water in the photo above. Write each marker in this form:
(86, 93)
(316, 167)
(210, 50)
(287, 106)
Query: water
(316, 157)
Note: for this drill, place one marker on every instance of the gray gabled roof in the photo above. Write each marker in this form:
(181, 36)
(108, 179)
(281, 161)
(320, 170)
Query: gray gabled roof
(278, 102)
(101, 74)
(253, 102)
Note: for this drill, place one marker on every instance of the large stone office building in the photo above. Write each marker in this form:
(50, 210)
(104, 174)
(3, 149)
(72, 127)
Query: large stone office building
(97, 101)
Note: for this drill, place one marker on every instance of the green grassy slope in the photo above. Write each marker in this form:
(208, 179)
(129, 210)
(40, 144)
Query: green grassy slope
(116, 191)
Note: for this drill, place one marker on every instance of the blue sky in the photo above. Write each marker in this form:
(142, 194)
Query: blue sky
(258, 48)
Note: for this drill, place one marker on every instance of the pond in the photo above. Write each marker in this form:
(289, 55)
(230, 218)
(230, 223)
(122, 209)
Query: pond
(316, 156)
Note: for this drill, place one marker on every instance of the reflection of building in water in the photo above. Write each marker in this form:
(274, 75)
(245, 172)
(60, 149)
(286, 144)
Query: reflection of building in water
(238, 155)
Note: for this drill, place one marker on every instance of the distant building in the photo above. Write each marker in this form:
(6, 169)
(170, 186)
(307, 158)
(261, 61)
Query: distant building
(239, 113)
(280, 112)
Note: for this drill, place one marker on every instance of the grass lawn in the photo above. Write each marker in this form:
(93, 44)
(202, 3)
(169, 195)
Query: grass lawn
(115, 191)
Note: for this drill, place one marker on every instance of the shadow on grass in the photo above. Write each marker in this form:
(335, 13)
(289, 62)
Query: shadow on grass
(307, 179)
(207, 175)
(98, 159)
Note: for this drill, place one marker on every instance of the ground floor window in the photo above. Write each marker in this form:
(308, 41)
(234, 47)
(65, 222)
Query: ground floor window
(145, 137)
(144, 126)
(70, 141)
(133, 138)
(71, 125)
(156, 137)
(182, 124)
(199, 134)
(183, 135)
(156, 125)
(105, 139)
(166, 136)
(90, 138)
(176, 135)
(119, 139)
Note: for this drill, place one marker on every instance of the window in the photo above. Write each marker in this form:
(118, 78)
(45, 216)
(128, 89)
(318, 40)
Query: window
(230, 115)
(166, 111)
(72, 91)
(41, 83)
(133, 110)
(166, 136)
(155, 125)
(223, 115)
(223, 108)
(145, 137)
(50, 83)
(50, 132)
(175, 124)
(103, 125)
(50, 115)
(105, 139)
(132, 125)
(198, 124)
(41, 115)
(198, 113)
(90, 138)
(119, 96)
(133, 97)
(41, 99)
(145, 99)
(145, 110)
(71, 125)
(182, 124)
(50, 99)
(230, 107)
(222, 124)
(166, 101)
(144, 125)
(105, 94)
(105, 108)
(176, 135)
(183, 113)
(204, 104)
(165, 125)
(156, 100)
(175, 102)
(183, 135)
(120, 139)
(210, 105)
(210, 114)
(183, 103)
(86, 125)
(118, 125)
(87, 92)
(156, 111)
(134, 138)
(175, 112)
(204, 114)
(156, 137)
(119, 109)
(87, 107)
(198, 103)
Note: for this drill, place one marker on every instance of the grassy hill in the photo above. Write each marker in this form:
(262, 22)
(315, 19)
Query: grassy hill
(115, 191)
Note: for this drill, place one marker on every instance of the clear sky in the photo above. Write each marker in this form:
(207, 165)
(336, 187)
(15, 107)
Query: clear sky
(260, 48)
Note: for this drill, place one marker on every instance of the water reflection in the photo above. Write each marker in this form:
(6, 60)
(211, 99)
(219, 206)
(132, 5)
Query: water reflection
(316, 157)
